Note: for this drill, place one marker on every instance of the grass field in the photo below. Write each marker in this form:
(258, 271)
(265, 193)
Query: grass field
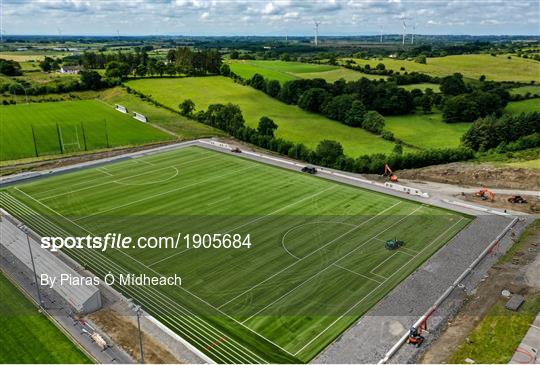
(523, 90)
(524, 106)
(316, 264)
(17, 135)
(286, 71)
(426, 130)
(294, 123)
(29, 337)
(529, 164)
(498, 68)
(422, 86)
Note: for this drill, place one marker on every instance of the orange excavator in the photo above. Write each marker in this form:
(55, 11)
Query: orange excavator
(388, 172)
(485, 194)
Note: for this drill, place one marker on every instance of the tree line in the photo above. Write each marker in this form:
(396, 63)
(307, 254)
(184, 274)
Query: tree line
(229, 118)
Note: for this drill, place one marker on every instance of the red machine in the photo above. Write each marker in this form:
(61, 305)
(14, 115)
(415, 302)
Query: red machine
(485, 194)
(388, 172)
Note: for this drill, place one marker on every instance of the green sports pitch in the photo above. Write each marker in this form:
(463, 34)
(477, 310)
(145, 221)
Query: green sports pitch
(50, 128)
(317, 260)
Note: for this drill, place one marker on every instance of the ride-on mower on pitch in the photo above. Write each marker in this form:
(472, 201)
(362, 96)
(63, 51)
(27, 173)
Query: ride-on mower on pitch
(393, 244)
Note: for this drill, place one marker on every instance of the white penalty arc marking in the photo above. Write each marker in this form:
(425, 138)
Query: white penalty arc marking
(175, 174)
(312, 253)
(372, 291)
(303, 225)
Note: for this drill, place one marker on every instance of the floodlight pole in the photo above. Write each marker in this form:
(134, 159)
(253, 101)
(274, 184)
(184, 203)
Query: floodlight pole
(25, 230)
(138, 311)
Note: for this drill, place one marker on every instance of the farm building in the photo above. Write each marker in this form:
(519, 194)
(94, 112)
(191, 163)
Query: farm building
(72, 70)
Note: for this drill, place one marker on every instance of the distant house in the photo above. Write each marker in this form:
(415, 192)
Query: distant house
(74, 70)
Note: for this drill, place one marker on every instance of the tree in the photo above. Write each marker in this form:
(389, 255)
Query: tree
(380, 66)
(426, 103)
(469, 107)
(329, 152)
(10, 68)
(313, 99)
(421, 59)
(48, 64)
(117, 69)
(90, 79)
(355, 115)
(257, 82)
(337, 107)
(273, 87)
(187, 107)
(373, 122)
(234, 55)
(225, 70)
(140, 70)
(266, 127)
(453, 85)
(398, 149)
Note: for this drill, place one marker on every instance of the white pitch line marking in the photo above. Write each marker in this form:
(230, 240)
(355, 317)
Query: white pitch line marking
(327, 267)
(357, 273)
(303, 258)
(101, 169)
(372, 291)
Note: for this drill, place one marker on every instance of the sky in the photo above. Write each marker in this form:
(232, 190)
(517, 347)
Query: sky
(263, 17)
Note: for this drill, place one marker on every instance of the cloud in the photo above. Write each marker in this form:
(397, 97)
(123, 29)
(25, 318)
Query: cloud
(263, 16)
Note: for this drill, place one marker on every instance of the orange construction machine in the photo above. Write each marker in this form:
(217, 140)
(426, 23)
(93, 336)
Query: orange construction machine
(388, 172)
(485, 194)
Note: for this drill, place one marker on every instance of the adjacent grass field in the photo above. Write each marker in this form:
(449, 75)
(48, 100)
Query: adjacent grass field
(316, 264)
(524, 106)
(523, 90)
(29, 337)
(498, 68)
(286, 71)
(422, 86)
(17, 136)
(294, 123)
(426, 130)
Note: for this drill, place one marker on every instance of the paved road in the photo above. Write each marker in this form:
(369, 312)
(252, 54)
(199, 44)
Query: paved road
(527, 351)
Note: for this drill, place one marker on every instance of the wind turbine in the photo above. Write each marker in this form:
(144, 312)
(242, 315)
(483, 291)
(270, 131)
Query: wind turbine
(317, 33)
(381, 30)
(404, 29)
(412, 34)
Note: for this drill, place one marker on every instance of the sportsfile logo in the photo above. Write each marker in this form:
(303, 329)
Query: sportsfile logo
(120, 241)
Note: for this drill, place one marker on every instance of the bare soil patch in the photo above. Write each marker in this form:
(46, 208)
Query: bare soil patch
(124, 333)
(501, 201)
(461, 173)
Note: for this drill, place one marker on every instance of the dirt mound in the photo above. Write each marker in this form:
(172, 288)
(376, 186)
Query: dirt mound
(461, 173)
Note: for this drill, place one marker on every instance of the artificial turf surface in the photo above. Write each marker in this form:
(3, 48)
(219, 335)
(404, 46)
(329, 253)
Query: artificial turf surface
(294, 124)
(17, 141)
(28, 337)
(316, 264)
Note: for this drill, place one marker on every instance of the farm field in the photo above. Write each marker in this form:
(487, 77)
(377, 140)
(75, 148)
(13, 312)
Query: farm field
(498, 68)
(524, 106)
(22, 123)
(422, 86)
(523, 90)
(294, 123)
(29, 337)
(426, 130)
(253, 304)
(286, 71)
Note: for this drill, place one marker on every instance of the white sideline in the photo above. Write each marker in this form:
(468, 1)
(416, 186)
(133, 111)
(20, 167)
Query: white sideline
(387, 185)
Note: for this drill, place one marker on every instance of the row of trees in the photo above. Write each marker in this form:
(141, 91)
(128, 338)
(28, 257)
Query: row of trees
(328, 153)
(490, 132)
(192, 62)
